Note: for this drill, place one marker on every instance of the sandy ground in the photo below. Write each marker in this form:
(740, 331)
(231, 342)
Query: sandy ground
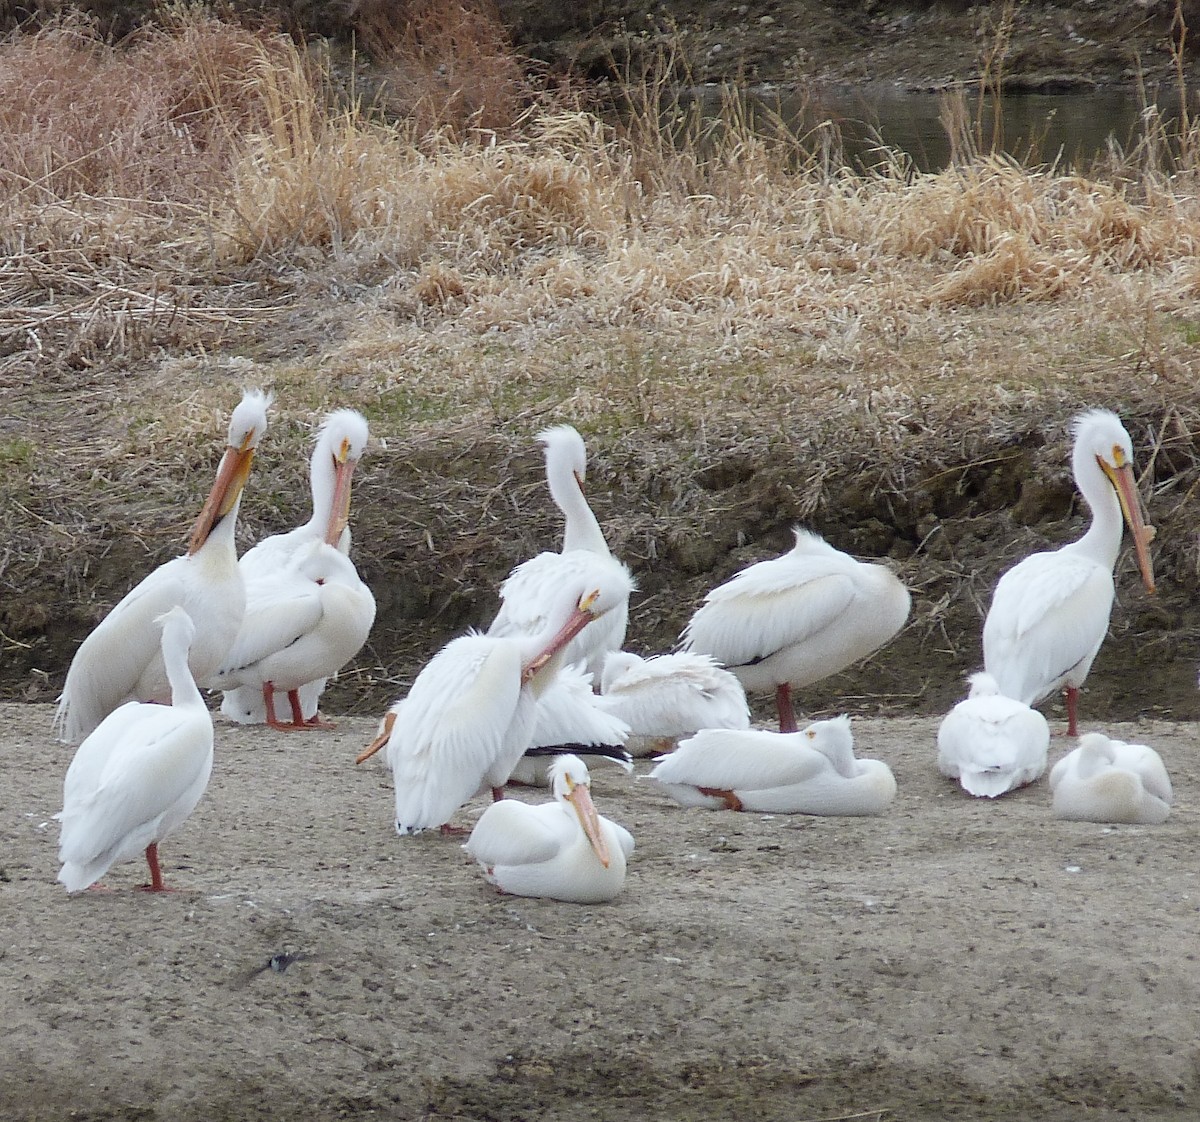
(951, 959)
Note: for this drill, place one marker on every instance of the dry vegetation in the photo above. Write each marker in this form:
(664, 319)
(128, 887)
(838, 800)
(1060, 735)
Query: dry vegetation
(748, 333)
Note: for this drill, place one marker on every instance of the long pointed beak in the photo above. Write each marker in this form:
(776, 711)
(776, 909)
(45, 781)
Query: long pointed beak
(339, 511)
(581, 799)
(226, 490)
(579, 619)
(385, 734)
(1131, 506)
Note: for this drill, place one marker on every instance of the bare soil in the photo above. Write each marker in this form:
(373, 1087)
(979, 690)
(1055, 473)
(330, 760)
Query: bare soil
(952, 959)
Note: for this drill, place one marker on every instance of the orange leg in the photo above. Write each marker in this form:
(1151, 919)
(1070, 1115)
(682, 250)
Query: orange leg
(732, 802)
(297, 722)
(156, 881)
(783, 703)
(1072, 710)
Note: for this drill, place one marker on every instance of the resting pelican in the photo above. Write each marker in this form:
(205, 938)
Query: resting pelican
(563, 850)
(524, 594)
(341, 441)
(1105, 780)
(469, 715)
(792, 620)
(121, 660)
(311, 621)
(809, 772)
(1049, 613)
(669, 696)
(571, 721)
(991, 743)
(139, 774)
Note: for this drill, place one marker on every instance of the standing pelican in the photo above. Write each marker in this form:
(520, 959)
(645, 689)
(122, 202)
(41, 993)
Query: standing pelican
(469, 715)
(524, 594)
(809, 772)
(139, 774)
(1049, 613)
(341, 441)
(1104, 780)
(563, 850)
(121, 660)
(669, 696)
(991, 743)
(313, 619)
(792, 620)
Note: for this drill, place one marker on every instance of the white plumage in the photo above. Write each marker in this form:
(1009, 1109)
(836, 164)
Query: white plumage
(810, 772)
(121, 660)
(1049, 614)
(991, 743)
(525, 594)
(340, 444)
(563, 850)
(666, 697)
(139, 774)
(1105, 780)
(789, 621)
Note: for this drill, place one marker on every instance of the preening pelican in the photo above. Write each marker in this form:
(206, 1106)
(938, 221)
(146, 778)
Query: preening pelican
(312, 619)
(1104, 780)
(121, 660)
(524, 594)
(1049, 613)
(469, 715)
(809, 772)
(563, 850)
(991, 743)
(341, 441)
(792, 620)
(666, 697)
(571, 721)
(139, 774)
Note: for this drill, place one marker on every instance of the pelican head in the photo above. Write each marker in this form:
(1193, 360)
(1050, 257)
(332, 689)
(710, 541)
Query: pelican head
(565, 452)
(341, 441)
(834, 740)
(983, 685)
(178, 622)
(571, 784)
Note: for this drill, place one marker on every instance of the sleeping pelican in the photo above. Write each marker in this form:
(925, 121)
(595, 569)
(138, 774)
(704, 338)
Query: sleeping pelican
(1105, 780)
(469, 715)
(1049, 613)
(669, 696)
(809, 772)
(524, 594)
(990, 743)
(312, 619)
(139, 773)
(121, 660)
(341, 441)
(563, 850)
(792, 620)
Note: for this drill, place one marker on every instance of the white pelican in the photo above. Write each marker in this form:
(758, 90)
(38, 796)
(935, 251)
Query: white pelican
(1104, 780)
(139, 774)
(341, 441)
(121, 660)
(305, 626)
(991, 743)
(571, 720)
(469, 715)
(809, 772)
(524, 594)
(792, 620)
(1049, 613)
(669, 696)
(563, 850)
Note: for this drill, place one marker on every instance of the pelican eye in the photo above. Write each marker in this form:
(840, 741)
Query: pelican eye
(247, 440)
(1118, 455)
(811, 735)
(586, 601)
(344, 452)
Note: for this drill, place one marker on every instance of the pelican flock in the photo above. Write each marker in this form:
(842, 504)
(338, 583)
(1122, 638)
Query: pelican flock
(520, 702)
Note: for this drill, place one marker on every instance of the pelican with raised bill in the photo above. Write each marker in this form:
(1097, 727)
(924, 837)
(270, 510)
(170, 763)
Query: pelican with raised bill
(787, 622)
(121, 660)
(562, 850)
(991, 743)
(1049, 614)
(527, 590)
(470, 713)
(340, 444)
(139, 774)
(810, 772)
(1106, 780)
